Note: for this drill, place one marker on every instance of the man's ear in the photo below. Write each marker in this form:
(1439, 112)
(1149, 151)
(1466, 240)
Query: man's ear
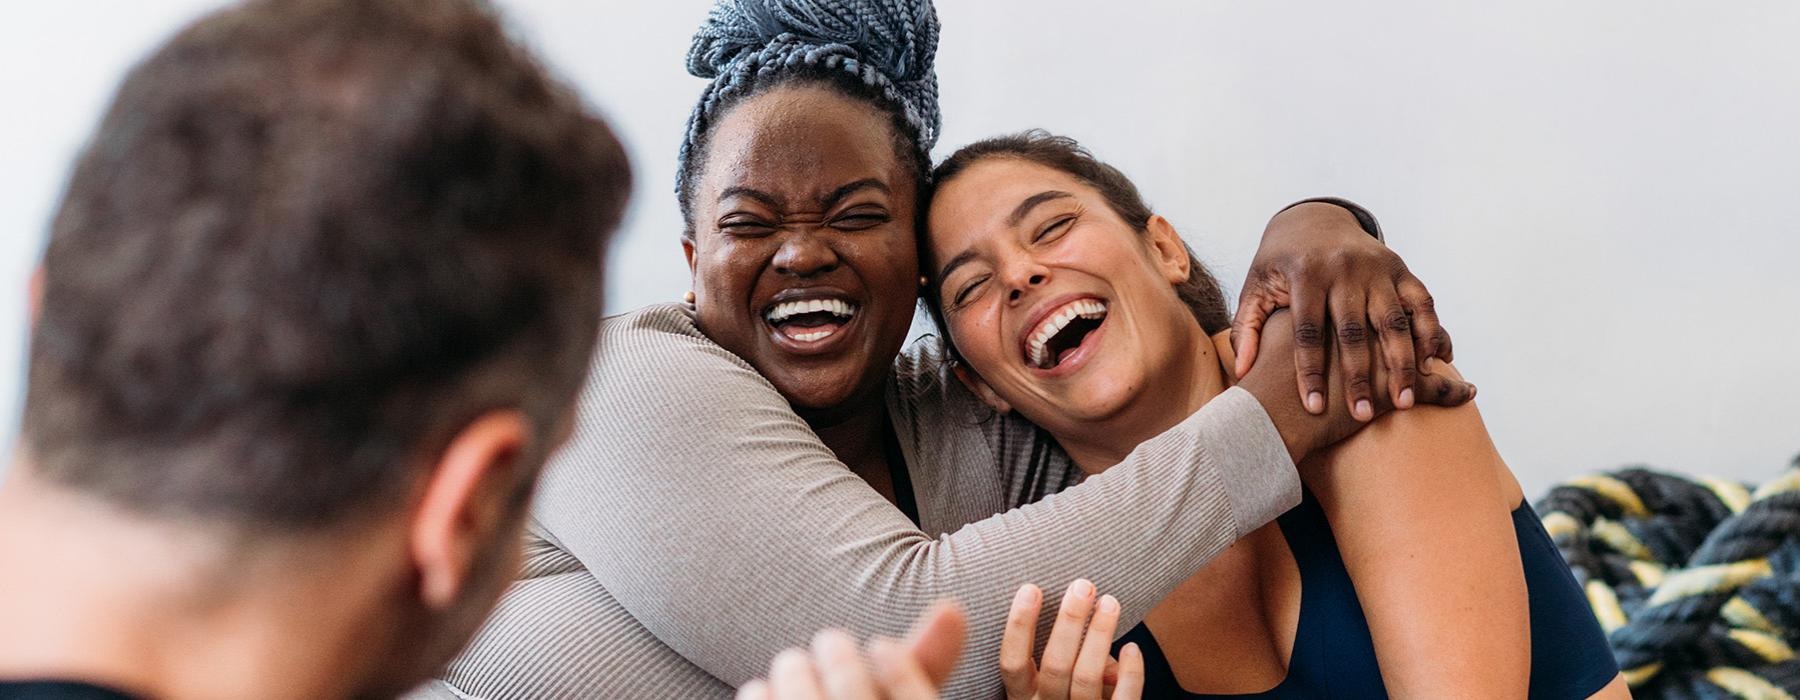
(687, 249)
(1167, 251)
(469, 495)
(35, 293)
(980, 388)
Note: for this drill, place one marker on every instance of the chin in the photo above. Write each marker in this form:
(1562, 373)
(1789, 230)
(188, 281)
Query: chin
(1100, 397)
(815, 384)
(1097, 408)
(820, 388)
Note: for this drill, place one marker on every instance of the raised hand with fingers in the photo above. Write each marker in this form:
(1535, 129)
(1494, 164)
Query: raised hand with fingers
(910, 669)
(1076, 663)
(1342, 285)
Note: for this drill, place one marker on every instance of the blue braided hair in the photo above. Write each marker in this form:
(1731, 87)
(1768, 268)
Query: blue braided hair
(881, 51)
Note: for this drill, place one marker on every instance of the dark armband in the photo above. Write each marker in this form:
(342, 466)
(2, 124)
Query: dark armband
(1363, 217)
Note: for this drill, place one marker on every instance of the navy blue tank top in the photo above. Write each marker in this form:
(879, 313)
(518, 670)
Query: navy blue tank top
(1334, 653)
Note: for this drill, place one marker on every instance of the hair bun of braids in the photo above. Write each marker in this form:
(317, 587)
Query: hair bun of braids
(889, 44)
(899, 38)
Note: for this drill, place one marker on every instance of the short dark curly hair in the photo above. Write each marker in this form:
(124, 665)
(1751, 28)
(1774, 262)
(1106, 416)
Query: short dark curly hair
(309, 242)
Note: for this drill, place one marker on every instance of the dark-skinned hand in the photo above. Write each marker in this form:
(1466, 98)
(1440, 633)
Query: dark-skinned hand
(1344, 286)
(1273, 384)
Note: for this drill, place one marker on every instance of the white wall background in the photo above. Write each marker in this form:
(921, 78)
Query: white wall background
(1602, 195)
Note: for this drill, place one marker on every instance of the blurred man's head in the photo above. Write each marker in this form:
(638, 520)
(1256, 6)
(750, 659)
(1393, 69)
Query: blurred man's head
(329, 271)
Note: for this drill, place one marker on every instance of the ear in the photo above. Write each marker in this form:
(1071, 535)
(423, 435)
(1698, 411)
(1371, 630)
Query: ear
(36, 293)
(687, 249)
(980, 388)
(1167, 251)
(468, 497)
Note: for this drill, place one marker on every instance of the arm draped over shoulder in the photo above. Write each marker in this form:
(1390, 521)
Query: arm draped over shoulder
(697, 497)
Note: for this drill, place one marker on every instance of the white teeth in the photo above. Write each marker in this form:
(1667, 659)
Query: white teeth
(1058, 320)
(809, 337)
(788, 309)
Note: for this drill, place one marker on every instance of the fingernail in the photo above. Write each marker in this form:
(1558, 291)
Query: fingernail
(1364, 409)
(1109, 604)
(1315, 402)
(1406, 398)
(1471, 392)
(1081, 588)
(1026, 594)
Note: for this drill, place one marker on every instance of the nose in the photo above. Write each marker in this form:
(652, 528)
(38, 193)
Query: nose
(1023, 277)
(803, 254)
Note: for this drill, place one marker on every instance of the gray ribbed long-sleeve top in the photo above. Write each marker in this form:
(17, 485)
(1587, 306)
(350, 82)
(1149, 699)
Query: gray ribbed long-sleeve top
(694, 525)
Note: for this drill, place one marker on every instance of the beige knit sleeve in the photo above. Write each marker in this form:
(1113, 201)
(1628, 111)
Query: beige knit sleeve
(713, 514)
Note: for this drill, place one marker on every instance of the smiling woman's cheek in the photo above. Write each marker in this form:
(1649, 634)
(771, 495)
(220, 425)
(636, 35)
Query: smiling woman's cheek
(891, 270)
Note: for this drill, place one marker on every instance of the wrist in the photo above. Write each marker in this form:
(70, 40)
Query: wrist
(1328, 212)
(1298, 429)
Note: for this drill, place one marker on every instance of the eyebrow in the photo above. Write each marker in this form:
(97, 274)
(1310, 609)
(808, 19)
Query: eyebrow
(867, 183)
(825, 202)
(961, 259)
(767, 199)
(1025, 207)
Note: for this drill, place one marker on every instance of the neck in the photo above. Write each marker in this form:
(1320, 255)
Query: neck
(1199, 376)
(854, 431)
(171, 609)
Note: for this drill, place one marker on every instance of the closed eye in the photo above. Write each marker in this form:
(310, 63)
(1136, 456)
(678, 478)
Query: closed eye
(745, 227)
(962, 295)
(1055, 228)
(859, 221)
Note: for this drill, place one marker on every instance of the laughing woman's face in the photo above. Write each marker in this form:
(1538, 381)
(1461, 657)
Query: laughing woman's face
(1064, 311)
(803, 252)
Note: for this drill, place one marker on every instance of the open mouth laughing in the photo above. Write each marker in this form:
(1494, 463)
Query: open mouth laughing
(1063, 333)
(810, 320)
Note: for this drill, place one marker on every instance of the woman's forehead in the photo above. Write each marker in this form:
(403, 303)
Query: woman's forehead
(802, 143)
(989, 191)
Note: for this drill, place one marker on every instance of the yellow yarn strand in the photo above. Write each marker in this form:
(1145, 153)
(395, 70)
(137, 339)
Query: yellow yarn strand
(1745, 684)
(1614, 490)
(1740, 613)
(1620, 539)
(1606, 606)
(1788, 482)
(1561, 525)
(1768, 646)
(1730, 493)
(1648, 573)
(1640, 675)
(1709, 579)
